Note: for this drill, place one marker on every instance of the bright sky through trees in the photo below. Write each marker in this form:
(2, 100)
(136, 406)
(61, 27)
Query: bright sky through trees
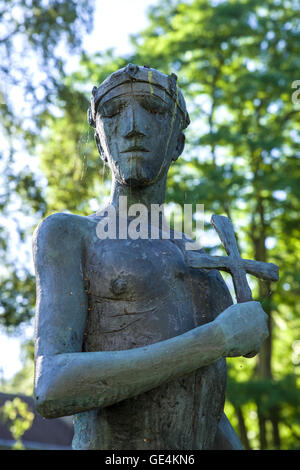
(114, 21)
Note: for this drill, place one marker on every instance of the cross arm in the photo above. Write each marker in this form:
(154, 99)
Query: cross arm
(266, 271)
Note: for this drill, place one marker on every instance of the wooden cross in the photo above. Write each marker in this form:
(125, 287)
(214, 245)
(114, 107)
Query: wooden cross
(233, 263)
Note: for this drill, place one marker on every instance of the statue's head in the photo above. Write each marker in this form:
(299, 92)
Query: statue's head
(139, 115)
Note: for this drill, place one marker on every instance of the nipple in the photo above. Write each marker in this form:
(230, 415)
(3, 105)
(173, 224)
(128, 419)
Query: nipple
(119, 286)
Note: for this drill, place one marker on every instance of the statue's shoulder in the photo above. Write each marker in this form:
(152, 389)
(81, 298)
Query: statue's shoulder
(59, 229)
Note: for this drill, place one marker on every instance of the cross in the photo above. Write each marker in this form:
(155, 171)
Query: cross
(233, 263)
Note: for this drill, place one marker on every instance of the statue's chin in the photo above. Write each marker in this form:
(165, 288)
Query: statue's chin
(136, 179)
(136, 182)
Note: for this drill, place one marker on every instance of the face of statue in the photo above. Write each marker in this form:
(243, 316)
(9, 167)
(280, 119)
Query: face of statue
(139, 132)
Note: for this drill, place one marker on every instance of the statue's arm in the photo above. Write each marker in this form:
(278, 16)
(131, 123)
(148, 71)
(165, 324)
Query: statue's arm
(69, 381)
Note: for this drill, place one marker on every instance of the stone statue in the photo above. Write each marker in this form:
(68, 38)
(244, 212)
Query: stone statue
(130, 339)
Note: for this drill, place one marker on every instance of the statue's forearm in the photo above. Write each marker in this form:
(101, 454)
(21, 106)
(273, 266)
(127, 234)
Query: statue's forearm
(71, 383)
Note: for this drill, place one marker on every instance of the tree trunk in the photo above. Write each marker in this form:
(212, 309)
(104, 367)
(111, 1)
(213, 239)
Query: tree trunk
(262, 428)
(264, 358)
(275, 418)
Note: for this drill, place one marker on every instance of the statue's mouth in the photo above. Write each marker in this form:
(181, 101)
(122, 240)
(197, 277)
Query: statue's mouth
(135, 148)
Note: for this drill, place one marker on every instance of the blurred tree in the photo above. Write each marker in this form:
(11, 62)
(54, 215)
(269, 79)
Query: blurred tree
(35, 39)
(19, 419)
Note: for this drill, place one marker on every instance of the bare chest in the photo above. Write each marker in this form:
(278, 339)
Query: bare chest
(140, 292)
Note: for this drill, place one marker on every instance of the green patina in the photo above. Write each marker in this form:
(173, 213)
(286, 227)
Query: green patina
(150, 78)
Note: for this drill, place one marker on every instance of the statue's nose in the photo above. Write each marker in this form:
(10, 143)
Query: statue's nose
(133, 122)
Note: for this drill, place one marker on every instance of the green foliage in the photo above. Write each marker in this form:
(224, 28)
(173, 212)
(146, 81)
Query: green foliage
(35, 39)
(19, 418)
(34, 33)
(17, 293)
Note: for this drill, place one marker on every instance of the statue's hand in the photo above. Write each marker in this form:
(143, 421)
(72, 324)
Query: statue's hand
(245, 328)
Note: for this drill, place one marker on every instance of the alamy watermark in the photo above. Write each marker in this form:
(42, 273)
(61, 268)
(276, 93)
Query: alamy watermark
(138, 222)
(296, 94)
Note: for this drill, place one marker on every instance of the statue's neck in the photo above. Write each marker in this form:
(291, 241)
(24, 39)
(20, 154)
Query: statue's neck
(147, 195)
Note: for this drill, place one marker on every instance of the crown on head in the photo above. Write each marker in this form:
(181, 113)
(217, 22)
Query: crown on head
(135, 73)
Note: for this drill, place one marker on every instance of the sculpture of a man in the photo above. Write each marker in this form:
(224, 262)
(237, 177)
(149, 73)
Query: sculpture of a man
(129, 339)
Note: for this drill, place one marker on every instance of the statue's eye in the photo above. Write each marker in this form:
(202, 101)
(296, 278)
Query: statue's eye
(110, 110)
(155, 106)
